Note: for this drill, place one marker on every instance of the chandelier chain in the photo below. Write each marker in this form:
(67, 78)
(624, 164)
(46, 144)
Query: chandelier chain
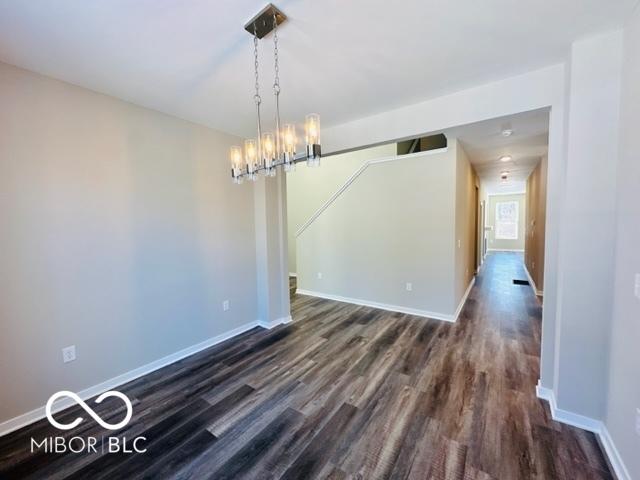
(276, 82)
(256, 97)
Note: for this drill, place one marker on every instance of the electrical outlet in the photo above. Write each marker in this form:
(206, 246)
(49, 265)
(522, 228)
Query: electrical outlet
(69, 354)
(225, 305)
(638, 421)
(319, 275)
(409, 287)
(636, 289)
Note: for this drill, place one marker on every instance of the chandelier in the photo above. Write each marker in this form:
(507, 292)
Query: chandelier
(272, 150)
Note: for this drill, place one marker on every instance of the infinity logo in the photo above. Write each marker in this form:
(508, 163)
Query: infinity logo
(94, 415)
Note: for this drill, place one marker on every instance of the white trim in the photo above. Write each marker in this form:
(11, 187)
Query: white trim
(586, 423)
(275, 323)
(381, 306)
(531, 282)
(356, 174)
(613, 454)
(518, 250)
(291, 274)
(565, 416)
(464, 299)
(393, 308)
(27, 418)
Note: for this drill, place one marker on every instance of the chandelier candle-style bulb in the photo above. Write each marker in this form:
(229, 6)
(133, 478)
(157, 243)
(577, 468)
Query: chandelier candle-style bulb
(251, 157)
(312, 133)
(289, 146)
(268, 154)
(235, 154)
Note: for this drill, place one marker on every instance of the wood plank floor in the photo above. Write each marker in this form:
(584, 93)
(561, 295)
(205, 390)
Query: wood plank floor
(345, 392)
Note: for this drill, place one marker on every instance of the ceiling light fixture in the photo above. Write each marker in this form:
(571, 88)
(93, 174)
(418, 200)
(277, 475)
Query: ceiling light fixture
(507, 132)
(505, 158)
(269, 151)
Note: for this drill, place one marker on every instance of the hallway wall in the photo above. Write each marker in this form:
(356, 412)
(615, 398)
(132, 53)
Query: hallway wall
(399, 222)
(466, 181)
(395, 224)
(535, 222)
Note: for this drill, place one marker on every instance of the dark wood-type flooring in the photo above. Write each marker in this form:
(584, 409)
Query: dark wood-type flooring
(345, 392)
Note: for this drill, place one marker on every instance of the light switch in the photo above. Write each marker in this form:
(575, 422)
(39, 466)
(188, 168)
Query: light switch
(636, 289)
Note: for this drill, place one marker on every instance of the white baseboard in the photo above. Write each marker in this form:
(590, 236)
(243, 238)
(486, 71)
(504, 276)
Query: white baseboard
(392, 308)
(531, 282)
(275, 323)
(586, 423)
(619, 468)
(25, 419)
(519, 250)
(464, 299)
(381, 306)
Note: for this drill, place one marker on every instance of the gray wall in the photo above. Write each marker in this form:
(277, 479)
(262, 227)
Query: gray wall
(395, 224)
(624, 380)
(501, 244)
(309, 188)
(588, 235)
(121, 234)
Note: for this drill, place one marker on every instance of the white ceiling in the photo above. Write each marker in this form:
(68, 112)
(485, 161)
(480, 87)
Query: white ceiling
(343, 59)
(484, 144)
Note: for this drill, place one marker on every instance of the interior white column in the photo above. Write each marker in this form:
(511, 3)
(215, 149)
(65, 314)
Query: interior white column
(271, 249)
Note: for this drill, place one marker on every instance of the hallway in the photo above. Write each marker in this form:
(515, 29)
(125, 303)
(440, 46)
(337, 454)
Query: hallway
(469, 408)
(348, 392)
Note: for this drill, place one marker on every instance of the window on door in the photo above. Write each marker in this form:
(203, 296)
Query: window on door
(506, 221)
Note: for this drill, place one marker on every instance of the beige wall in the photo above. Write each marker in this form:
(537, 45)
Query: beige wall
(466, 181)
(397, 223)
(309, 188)
(121, 234)
(536, 210)
(500, 244)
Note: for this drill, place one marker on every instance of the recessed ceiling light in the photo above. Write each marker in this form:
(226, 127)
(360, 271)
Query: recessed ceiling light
(505, 158)
(507, 132)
